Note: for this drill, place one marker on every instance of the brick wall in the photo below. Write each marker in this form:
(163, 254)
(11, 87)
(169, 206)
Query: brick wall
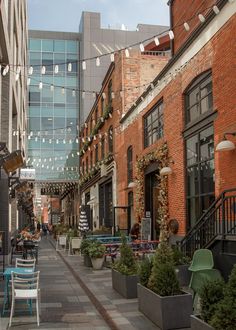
(187, 11)
(217, 55)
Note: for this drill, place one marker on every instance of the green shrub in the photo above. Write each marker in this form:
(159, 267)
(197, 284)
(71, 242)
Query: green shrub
(144, 271)
(85, 245)
(178, 256)
(163, 279)
(210, 294)
(225, 312)
(126, 265)
(96, 249)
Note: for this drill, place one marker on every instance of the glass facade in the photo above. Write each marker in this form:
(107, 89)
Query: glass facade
(53, 108)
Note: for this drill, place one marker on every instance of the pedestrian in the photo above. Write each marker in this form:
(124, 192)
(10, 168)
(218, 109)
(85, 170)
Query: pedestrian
(135, 230)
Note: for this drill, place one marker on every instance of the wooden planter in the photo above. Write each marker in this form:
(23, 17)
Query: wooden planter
(183, 275)
(125, 285)
(198, 324)
(170, 312)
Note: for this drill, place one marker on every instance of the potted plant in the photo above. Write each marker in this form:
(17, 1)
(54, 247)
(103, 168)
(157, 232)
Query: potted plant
(181, 263)
(124, 272)
(96, 252)
(218, 305)
(210, 294)
(84, 249)
(162, 301)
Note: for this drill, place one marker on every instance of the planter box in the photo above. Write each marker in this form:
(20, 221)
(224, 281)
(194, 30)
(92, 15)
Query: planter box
(183, 275)
(87, 261)
(125, 285)
(198, 324)
(170, 312)
(97, 263)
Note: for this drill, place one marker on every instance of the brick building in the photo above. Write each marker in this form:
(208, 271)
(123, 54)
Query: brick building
(178, 121)
(124, 82)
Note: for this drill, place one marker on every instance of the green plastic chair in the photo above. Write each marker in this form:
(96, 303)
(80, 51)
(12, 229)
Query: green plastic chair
(202, 259)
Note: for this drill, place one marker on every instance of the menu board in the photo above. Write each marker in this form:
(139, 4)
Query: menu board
(146, 229)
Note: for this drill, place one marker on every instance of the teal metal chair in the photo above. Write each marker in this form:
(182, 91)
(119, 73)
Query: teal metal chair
(202, 259)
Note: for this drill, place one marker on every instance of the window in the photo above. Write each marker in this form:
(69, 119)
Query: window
(110, 92)
(153, 125)
(103, 147)
(96, 153)
(110, 139)
(130, 164)
(96, 115)
(200, 173)
(198, 98)
(103, 106)
(91, 159)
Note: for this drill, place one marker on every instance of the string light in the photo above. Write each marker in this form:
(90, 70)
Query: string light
(201, 18)
(171, 35)
(84, 65)
(157, 42)
(28, 81)
(43, 70)
(141, 46)
(97, 61)
(216, 10)
(186, 26)
(31, 70)
(69, 68)
(40, 85)
(56, 69)
(126, 52)
(112, 57)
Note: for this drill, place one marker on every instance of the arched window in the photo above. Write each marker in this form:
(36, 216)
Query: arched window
(199, 144)
(110, 139)
(130, 164)
(198, 98)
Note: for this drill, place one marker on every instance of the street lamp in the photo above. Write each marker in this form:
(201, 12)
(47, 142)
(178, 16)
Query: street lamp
(226, 145)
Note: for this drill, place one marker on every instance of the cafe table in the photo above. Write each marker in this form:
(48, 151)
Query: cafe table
(7, 277)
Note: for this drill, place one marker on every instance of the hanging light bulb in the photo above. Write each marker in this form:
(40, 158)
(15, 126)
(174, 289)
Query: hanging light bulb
(57, 141)
(104, 95)
(70, 141)
(64, 141)
(29, 137)
(112, 95)
(83, 94)
(40, 85)
(141, 46)
(126, 52)
(73, 92)
(69, 67)
(7, 68)
(97, 61)
(83, 65)
(152, 85)
(17, 76)
(56, 69)
(31, 70)
(43, 70)
(201, 18)
(216, 10)
(4, 72)
(112, 56)
(50, 140)
(186, 26)
(171, 35)
(28, 81)
(77, 140)
(63, 90)
(94, 95)
(43, 140)
(157, 42)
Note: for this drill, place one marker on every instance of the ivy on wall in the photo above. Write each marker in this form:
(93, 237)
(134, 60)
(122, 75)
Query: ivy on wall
(160, 156)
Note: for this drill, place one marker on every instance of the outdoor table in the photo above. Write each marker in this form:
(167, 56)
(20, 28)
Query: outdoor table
(7, 277)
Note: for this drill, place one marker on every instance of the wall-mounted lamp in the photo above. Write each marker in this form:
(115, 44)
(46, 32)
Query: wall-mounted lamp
(132, 184)
(166, 171)
(226, 145)
(12, 161)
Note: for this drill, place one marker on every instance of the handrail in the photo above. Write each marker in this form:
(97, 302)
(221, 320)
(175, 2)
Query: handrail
(219, 219)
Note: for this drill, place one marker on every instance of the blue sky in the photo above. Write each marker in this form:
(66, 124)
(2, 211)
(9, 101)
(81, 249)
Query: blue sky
(64, 15)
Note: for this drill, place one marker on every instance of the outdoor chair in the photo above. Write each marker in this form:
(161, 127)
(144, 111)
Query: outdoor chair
(202, 259)
(24, 263)
(25, 287)
(61, 242)
(30, 249)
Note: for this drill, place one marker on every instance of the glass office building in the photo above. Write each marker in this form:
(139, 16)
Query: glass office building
(53, 105)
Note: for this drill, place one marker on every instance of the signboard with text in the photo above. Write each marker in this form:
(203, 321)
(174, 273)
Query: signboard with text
(146, 229)
(27, 174)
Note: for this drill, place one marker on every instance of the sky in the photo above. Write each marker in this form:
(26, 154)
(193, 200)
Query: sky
(64, 15)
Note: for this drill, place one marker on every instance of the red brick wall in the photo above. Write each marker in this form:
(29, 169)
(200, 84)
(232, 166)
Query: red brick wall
(218, 55)
(187, 11)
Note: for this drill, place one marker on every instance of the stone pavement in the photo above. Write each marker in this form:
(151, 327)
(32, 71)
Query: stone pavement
(76, 297)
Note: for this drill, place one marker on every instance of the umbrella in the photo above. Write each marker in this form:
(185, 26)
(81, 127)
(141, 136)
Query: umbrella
(83, 222)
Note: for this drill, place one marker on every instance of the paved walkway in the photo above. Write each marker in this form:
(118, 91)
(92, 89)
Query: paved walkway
(76, 297)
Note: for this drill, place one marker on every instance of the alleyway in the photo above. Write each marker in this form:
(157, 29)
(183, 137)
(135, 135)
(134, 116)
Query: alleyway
(67, 289)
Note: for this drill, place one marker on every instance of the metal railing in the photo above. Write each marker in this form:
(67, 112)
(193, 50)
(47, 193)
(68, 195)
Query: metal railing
(218, 220)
